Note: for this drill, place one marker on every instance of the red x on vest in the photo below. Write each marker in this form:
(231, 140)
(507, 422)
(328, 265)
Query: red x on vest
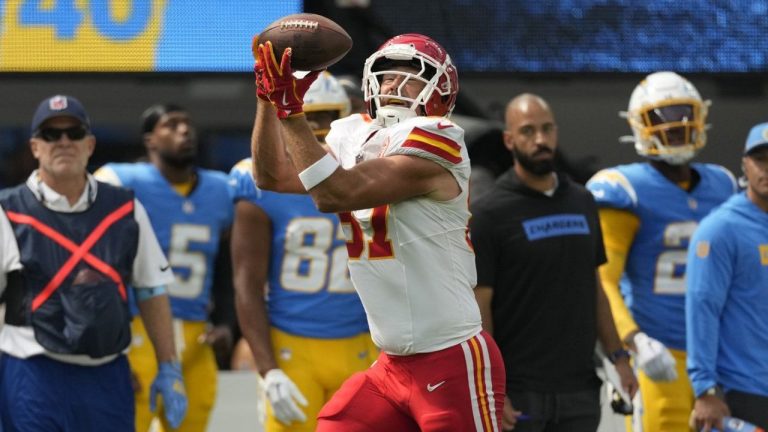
(79, 252)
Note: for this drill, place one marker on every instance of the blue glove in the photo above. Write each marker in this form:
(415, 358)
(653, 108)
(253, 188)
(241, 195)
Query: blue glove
(170, 384)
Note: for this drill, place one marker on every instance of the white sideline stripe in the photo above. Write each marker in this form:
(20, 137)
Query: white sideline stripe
(488, 382)
(471, 382)
(479, 426)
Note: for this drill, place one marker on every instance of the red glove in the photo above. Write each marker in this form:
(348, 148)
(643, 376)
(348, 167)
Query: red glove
(284, 91)
(258, 70)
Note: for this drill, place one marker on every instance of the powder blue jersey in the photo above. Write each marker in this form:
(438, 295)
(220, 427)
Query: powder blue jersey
(310, 293)
(653, 283)
(188, 228)
(727, 299)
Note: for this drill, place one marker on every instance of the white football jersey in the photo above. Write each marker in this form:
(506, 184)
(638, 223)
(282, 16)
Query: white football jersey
(411, 262)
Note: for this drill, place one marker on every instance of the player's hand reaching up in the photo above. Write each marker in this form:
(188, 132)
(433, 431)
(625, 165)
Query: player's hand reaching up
(654, 358)
(275, 81)
(258, 71)
(283, 395)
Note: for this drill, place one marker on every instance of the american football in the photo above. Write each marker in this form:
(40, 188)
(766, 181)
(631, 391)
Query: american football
(317, 41)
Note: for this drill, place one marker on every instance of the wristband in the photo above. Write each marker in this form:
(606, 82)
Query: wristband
(715, 391)
(619, 353)
(318, 171)
(147, 293)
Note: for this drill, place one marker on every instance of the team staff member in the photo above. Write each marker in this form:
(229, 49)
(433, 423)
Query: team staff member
(311, 334)
(538, 244)
(73, 248)
(648, 212)
(727, 301)
(400, 186)
(191, 209)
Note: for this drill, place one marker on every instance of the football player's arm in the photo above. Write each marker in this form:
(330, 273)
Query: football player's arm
(250, 245)
(619, 228)
(368, 184)
(609, 339)
(272, 166)
(251, 237)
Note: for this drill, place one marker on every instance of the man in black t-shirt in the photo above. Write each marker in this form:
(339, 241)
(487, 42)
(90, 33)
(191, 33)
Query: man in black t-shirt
(538, 244)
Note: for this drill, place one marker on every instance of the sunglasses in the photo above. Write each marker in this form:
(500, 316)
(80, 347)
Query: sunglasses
(54, 134)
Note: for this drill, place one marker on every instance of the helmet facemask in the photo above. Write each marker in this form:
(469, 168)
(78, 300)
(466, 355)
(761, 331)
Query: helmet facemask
(668, 119)
(438, 96)
(672, 131)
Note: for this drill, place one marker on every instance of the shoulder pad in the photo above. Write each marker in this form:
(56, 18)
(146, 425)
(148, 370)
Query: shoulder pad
(611, 188)
(434, 138)
(243, 166)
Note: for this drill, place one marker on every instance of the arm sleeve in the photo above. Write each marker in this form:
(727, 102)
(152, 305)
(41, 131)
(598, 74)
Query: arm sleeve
(709, 271)
(619, 228)
(150, 267)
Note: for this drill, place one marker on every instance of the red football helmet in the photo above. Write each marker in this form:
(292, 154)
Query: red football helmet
(433, 67)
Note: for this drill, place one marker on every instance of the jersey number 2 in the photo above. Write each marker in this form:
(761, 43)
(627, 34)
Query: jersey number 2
(670, 265)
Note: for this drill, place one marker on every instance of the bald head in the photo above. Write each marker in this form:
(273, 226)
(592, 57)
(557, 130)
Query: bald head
(523, 104)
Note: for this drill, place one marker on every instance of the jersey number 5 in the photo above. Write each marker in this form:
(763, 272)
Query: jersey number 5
(190, 267)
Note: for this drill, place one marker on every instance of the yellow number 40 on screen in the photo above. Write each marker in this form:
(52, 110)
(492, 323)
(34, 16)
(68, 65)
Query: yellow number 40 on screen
(80, 35)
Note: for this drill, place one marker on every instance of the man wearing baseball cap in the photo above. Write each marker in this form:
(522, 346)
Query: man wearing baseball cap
(70, 248)
(758, 138)
(60, 106)
(727, 301)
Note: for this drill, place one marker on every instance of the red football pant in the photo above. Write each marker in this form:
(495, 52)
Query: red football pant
(460, 388)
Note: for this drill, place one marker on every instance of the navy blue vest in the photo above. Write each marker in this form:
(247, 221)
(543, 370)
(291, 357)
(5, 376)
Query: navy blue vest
(84, 311)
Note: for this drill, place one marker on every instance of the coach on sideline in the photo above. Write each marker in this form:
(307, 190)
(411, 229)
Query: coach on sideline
(71, 247)
(538, 245)
(726, 304)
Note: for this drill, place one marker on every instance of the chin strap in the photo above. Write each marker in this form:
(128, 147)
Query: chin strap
(391, 115)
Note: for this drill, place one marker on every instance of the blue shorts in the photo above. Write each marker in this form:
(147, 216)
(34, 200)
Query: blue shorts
(42, 394)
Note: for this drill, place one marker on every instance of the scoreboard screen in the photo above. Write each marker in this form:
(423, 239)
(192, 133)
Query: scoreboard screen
(133, 35)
